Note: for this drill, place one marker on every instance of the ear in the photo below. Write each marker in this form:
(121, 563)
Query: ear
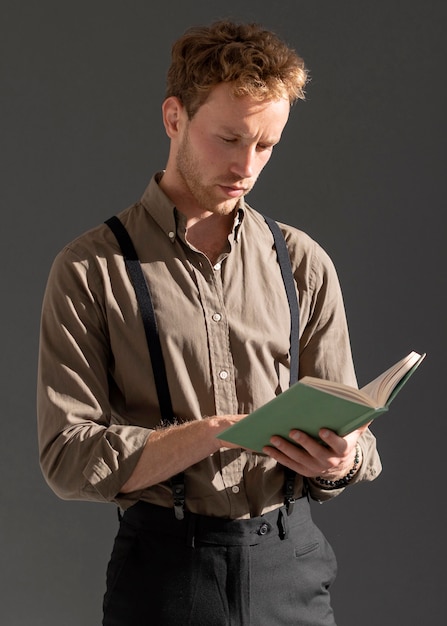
(173, 111)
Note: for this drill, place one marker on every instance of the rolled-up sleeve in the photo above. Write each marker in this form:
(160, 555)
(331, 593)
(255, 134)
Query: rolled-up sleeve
(325, 349)
(84, 455)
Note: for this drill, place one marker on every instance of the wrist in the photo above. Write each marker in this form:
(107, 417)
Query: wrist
(219, 423)
(338, 483)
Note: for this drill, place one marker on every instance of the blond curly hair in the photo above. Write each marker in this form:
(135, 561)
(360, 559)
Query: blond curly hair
(254, 60)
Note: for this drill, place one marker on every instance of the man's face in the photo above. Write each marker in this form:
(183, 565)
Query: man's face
(225, 146)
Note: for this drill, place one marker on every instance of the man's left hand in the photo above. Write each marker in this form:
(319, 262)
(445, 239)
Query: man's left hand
(331, 460)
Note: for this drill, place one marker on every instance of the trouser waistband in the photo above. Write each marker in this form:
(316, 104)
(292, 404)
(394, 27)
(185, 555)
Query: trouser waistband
(204, 530)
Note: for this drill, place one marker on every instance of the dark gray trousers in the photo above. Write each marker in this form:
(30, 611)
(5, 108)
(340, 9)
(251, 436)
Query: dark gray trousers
(273, 570)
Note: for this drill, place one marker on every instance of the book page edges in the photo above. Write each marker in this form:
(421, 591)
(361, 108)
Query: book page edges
(383, 387)
(405, 378)
(340, 390)
(377, 393)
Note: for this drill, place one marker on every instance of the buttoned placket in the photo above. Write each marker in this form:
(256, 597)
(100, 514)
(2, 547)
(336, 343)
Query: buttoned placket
(209, 279)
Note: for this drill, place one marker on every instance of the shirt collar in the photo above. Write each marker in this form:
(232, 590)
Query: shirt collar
(160, 207)
(163, 211)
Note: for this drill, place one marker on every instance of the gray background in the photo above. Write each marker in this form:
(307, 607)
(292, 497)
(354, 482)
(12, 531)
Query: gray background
(361, 168)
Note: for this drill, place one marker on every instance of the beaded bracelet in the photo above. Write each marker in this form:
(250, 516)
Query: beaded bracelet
(341, 482)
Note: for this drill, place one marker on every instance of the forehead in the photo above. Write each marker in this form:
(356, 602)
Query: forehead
(225, 109)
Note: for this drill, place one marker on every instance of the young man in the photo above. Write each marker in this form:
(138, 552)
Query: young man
(234, 550)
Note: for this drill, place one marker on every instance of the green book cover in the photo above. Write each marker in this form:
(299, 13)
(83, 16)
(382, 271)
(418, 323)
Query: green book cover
(309, 409)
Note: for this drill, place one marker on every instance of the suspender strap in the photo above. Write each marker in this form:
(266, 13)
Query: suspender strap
(153, 341)
(147, 313)
(289, 284)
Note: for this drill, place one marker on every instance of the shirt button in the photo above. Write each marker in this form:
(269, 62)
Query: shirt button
(223, 375)
(235, 489)
(217, 317)
(217, 266)
(171, 235)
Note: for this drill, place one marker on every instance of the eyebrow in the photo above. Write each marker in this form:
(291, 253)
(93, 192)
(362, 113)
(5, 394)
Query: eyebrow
(232, 131)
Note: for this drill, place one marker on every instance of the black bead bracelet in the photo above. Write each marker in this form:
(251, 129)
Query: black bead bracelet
(341, 482)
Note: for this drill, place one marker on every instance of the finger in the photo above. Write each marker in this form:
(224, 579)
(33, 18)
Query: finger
(286, 461)
(338, 445)
(295, 457)
(310, 444)
(342, 445)
(327, 453)
(322, 455)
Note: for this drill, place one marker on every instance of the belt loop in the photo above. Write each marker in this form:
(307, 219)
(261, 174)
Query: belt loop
(178, 493)
(305, 492)
(289, 489)
(283, 522)
(191, 530)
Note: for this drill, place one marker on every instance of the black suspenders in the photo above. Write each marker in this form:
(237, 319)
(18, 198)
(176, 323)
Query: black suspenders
(147, 313)
(144, 300)
(289, 283)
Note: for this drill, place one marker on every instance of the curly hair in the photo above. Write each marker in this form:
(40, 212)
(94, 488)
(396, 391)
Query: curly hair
(254, 60)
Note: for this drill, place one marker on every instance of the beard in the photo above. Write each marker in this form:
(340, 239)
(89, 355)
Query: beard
(206, 195)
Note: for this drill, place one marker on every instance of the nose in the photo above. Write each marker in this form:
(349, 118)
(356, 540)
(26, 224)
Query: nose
(244, 162)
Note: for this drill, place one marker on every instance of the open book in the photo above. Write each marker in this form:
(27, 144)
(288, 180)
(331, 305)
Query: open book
(313, 403)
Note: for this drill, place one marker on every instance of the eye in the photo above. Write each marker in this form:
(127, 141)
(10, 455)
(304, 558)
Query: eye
(228, 139)
(263, 146)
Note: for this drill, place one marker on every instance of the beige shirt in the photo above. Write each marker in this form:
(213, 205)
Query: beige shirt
(224, 332)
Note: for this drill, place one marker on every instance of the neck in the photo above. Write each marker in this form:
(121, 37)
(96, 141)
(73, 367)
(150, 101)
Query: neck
(209, 233)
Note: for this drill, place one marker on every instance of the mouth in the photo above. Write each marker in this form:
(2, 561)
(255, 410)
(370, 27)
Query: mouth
(232, 191)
